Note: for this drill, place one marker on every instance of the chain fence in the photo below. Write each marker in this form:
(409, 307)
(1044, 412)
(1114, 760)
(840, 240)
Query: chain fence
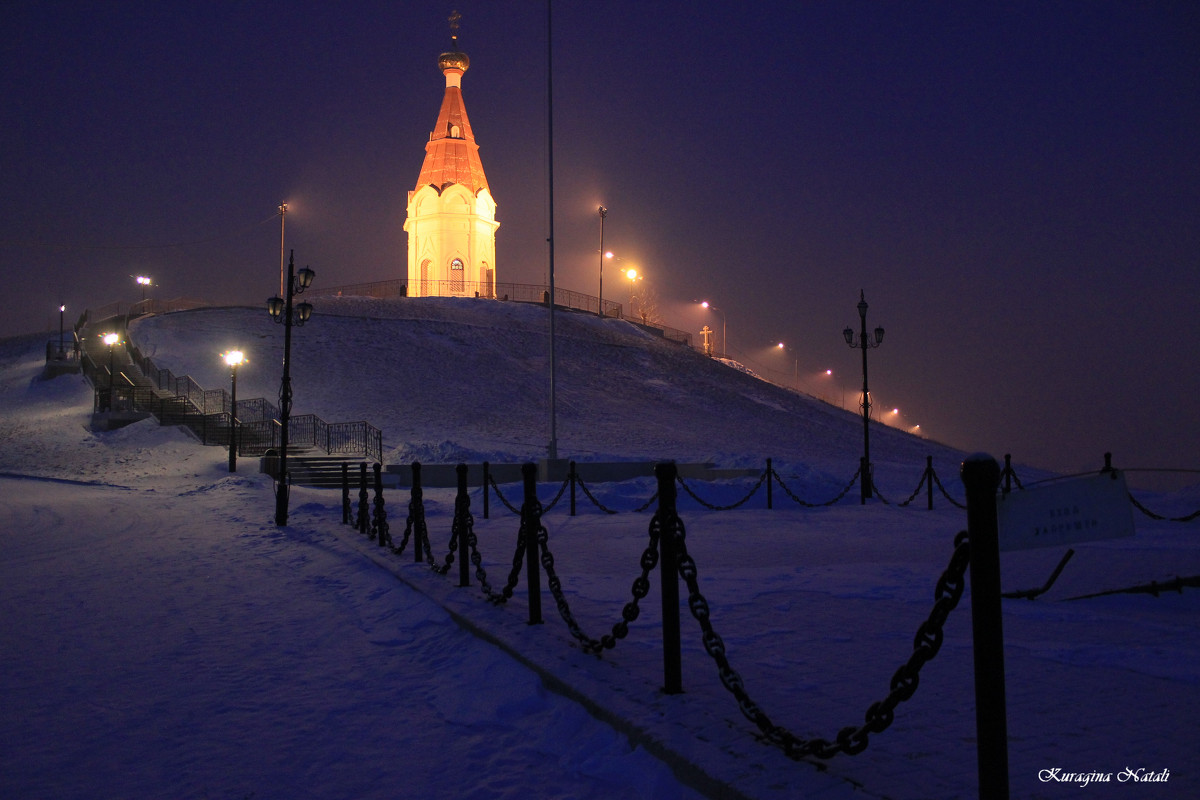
(666, 535)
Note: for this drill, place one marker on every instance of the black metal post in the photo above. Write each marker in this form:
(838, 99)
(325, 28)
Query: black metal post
(770, 475)
(285, 397)
(417, 506)
(981, 477)
(864, 343)
(669, 572)
(379, 526)
(487, 487)
(345, 493)
(571, 473)
(363, 517)
(600, 297)
(1008, 473)
(929, 480)
(62, 309)
(531, 521)
(462, 506)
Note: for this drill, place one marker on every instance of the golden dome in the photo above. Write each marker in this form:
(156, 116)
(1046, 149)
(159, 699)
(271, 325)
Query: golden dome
(454, 60)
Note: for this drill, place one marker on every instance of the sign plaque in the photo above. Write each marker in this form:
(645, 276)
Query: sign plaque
(1077, 510)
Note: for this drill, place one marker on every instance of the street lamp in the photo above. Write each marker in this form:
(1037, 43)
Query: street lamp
(234, 358)
(144, 281)
(111, 340)
(864, 343)
(280, 309)
(724, 343)
(603, 214)
(795, 366)
(62, 309)
(632, 274)
(282, 219)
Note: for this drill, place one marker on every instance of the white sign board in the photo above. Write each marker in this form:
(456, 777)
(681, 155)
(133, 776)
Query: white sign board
(1076, 510)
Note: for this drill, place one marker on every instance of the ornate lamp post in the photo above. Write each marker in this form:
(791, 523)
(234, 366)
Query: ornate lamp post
(280, 309)
(864, 343)
(234, 358)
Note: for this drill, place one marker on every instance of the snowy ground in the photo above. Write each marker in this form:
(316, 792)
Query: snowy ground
(163, 638)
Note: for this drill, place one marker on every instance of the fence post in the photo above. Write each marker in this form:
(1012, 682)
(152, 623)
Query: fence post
(981, 477)
(487, 487)
(1008, 473)
(345, 493)
(417, 503)
(379, 526)
(667, 518)
(363, 523)
(571, 478)
(929, 480)
(531, 521)
(770, 474)
(462, 506)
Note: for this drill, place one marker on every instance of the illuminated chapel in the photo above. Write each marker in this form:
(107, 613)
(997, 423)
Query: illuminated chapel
(451, 222)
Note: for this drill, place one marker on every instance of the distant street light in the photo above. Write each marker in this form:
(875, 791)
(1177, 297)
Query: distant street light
(234, 358)
(863, 342)
(724, 341)
(144, 281)
(600, 298)
(280, 309)
(62, 309)
(795, 366)
(632, 274)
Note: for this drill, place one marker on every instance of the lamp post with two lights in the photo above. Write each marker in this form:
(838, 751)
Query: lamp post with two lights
(280, 309)
(864, 342)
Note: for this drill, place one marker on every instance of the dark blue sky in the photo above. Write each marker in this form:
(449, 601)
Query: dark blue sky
(1015, 186)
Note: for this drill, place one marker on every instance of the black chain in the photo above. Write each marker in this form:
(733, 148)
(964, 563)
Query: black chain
(414, 522)
(647, 504)
(916, 491)
(946, 494)
(712, 507)
(631, 611)
(1152, 515)
(592, 497)
(503, 499)
(806, 504)
(558, 496)
(851, 739)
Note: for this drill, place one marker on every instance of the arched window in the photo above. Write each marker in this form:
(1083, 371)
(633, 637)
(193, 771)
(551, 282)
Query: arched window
(454, 132)
(423, 289)
(456, 275)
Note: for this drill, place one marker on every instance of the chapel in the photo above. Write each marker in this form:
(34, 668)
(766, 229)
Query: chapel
(451, 222)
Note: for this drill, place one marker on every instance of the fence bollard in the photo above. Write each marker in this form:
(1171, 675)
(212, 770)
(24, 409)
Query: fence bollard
(1108, 467)
(929, 480)
(981, 477)
(417, 505)
(487, 487)
(462, 508)
(667, 518)
(363, 518)
(571, 478)
(345, 493)
(379, 526)
(771, 473)
(531, 521)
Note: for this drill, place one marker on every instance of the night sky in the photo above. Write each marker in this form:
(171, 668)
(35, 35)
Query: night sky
(1015, 186)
